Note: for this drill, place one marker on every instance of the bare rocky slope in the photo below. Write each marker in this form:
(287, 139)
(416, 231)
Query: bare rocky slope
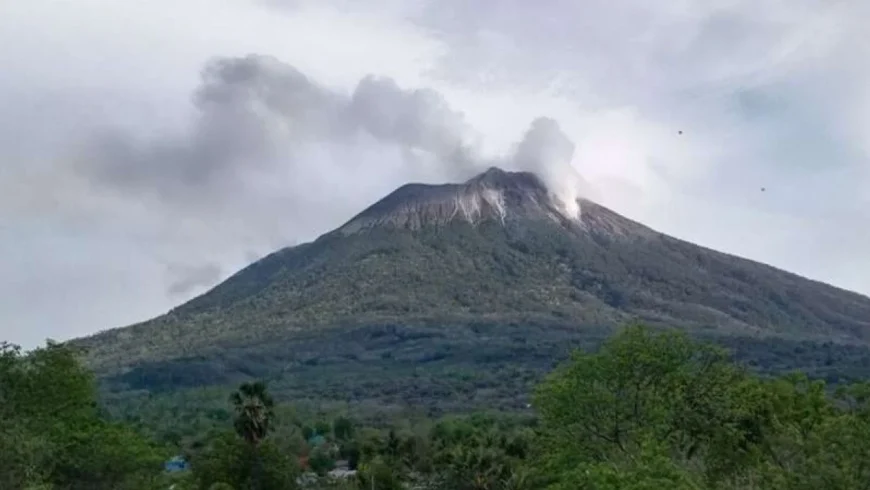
(450, 269)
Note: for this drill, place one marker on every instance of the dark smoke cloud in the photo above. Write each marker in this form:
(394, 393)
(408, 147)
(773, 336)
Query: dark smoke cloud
(255, 114)
(249, 111)
(273, 157)
(419, 119)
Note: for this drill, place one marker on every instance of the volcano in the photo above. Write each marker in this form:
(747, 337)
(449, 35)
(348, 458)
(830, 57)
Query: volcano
(498, 256)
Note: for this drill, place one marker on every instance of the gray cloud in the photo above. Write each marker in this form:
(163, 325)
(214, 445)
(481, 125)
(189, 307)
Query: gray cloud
(258, 115)
(243, 174)
(185, 278)
(769, 95)
(255, 154)
(249, 112)
(419, 119)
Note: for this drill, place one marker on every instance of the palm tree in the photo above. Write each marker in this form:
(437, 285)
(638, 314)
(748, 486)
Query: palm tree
(253, 406)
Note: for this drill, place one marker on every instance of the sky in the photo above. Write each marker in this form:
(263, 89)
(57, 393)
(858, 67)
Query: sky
(148, 150)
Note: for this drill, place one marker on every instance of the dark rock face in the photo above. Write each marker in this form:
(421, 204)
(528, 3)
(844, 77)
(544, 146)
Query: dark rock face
(494, 195)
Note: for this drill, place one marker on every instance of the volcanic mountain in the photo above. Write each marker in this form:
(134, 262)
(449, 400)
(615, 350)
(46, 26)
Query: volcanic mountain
(496, 257)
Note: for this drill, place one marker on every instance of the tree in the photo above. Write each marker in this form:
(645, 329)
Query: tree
(52, 433)
(392, 448)
(813, 441)
(342, 428)
(308, 432)
(230, 460)
(254, 408)
(645, 396)
(321, 461)
(377, 474)
(479, 452)
(655, 410)
(323, 428)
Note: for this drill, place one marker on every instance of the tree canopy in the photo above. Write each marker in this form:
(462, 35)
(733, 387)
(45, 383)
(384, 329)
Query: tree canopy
(657, 410)
(649, 409)
(52, 433)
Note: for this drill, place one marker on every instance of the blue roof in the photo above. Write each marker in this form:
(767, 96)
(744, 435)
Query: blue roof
(176, 463)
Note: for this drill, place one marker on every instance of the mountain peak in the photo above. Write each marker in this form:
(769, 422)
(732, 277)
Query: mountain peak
(529, 270)
(495, 194)
(497, 179)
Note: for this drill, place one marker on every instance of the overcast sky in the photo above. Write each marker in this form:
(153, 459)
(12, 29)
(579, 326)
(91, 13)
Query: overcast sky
(150, 149)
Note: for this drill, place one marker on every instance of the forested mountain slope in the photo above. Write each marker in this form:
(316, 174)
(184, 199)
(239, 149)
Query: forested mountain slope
(443, 273)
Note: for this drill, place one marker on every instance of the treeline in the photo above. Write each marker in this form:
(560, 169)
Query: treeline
(438, 369)
(648, 410)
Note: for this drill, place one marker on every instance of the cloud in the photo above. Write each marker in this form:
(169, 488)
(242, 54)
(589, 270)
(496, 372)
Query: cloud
(121, 132)
(416, 120)
(250, 112)
(186, 278)
(768, 95)
(270, 157)
(256, 116)
(547, 151)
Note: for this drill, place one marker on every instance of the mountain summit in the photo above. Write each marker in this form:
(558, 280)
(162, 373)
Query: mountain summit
(508, 198)
(498, 250)
(494, 195)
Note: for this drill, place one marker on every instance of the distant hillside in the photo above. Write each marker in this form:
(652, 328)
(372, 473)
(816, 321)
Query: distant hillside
(455, 269)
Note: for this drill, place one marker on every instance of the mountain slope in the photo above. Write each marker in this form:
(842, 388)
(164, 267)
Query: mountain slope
(496, 250)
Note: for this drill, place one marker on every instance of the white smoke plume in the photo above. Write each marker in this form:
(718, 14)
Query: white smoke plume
(547, 151)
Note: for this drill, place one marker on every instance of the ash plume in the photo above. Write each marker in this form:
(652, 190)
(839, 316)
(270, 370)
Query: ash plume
(267, 142)
(255, 113)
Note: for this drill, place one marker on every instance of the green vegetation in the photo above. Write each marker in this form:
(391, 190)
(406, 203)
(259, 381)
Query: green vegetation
(379, 372)
(648, 409)
(528, 274)
(424, 358)
(453, 317)
(658, 411)
(52, 434)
